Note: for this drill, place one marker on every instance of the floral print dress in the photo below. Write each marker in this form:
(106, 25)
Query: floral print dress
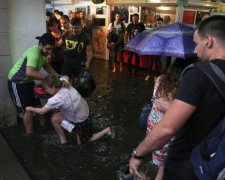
(159, 155)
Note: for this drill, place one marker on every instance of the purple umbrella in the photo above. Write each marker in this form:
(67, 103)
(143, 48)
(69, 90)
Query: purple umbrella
(173, 40)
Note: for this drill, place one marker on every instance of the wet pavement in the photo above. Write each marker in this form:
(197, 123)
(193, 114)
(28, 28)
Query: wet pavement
(117, 101)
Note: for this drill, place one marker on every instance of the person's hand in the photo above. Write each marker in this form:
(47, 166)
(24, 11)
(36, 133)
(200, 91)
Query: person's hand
(162, 104)
(28, 108)
(133, 167)
(86, 65)
(65, 78)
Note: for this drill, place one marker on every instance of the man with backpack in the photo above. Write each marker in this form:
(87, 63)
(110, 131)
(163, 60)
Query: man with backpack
(115, 40)
(196, 110)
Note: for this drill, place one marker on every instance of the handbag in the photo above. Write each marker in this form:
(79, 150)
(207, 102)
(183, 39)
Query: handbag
(40, 92)
(143, 118)
(85, 84)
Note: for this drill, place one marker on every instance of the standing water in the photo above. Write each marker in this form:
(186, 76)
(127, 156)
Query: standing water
(116, 101)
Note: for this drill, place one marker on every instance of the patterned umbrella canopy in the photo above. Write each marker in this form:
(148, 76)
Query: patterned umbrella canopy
(172, 40)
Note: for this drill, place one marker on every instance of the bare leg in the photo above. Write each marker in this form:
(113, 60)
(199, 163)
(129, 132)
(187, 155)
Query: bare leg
(56, 120)
(98, 135)
(121, 66)
(114, 67)
(41, 119)
(28, 122)
(78, 139)
(159, 175)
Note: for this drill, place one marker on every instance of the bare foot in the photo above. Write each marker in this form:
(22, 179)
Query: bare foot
(112, 132)
(121, 67)
(63, 142)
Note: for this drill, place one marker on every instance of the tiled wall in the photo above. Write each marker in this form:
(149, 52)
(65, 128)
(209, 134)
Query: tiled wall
(7, 110)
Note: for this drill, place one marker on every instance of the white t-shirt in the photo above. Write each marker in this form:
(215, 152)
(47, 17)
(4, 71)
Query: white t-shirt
(118, 28)
(70, 103)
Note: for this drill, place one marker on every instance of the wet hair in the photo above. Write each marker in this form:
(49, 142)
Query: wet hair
(159, 19)
(61, 13)
(167, 19)
(135, 14)
(52, 21)
(54, 81)
(214, 26)
(48, 13)
(65, 17)
(75, 21)
(45, 39)
(169, 80)
(118, 13)
(56, 11)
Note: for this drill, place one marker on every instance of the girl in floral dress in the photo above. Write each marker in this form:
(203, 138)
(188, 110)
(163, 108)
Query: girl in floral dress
(164, 92)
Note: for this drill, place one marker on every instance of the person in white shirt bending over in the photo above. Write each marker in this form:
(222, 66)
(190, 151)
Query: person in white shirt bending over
(73, 111)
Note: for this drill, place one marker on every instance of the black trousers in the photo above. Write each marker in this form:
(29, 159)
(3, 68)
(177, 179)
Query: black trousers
(137, 61)
(178, 170)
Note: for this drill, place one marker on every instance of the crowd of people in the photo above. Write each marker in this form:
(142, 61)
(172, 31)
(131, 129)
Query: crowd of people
(180, 107)
(119, 35)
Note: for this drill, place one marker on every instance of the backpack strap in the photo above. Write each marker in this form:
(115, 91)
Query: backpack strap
(123, 26)
(215, 74)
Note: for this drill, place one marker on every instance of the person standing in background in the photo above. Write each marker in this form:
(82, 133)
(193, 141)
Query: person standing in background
(56, 58)
(77, 49)
(167, 21)
(64, 23)
(117, 27)
(85, 23)
(134, 28)
(154, 61)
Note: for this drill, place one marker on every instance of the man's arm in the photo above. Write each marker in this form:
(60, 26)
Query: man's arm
(31, 72)
(89, 55)
(173, 120)
(49, 69)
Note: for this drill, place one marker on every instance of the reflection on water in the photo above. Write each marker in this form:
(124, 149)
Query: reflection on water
(116, 101)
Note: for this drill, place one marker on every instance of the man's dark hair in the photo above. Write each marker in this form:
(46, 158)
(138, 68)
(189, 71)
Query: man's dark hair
(46, 38)
(56, 11)
(135, 14)
(52, 21)
(75, 21)
(118, 13)
(214, 26)
(159, 19)
(65, 17)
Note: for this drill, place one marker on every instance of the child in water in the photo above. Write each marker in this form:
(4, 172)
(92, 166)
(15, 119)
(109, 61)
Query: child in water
(72, 109)
(164, 92)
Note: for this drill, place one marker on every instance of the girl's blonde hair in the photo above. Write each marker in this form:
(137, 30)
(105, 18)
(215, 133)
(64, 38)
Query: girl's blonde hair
(55, 81)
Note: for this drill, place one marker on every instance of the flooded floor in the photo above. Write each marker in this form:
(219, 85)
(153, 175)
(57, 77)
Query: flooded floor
(117, 101)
